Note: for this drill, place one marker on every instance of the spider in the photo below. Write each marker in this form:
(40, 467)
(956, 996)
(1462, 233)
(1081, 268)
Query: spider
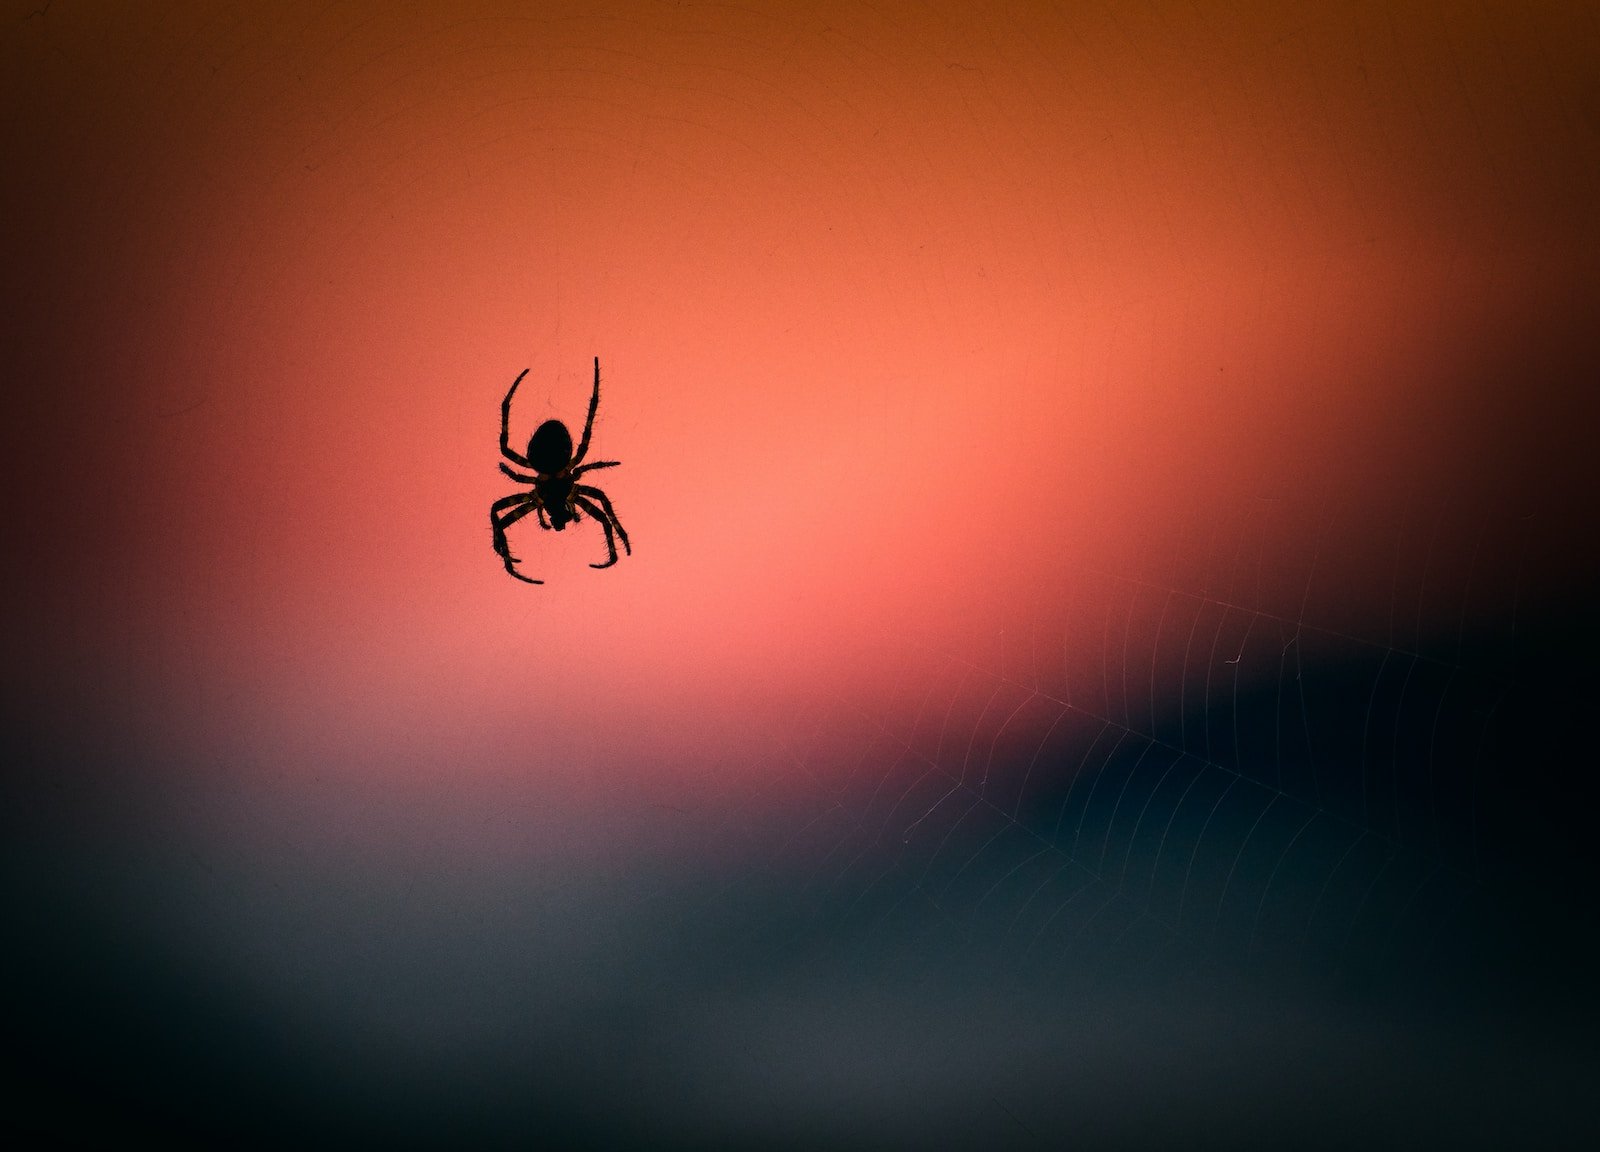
(556, 495)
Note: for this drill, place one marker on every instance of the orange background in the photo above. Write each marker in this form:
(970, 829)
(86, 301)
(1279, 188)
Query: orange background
(900, 313)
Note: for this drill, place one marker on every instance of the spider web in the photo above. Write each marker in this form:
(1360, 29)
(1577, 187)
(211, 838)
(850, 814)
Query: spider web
(1237, 788)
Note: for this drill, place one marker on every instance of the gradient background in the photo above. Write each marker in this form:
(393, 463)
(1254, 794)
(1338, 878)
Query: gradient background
(1107, 651)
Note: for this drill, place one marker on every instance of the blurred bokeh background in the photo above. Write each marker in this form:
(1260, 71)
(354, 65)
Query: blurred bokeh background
(1107, 653)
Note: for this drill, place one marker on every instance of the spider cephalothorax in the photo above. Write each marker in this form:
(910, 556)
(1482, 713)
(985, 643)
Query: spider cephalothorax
(556, 495)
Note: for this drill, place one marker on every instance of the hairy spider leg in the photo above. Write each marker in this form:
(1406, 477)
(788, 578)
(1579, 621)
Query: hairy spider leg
(544, 521)
(588, 424)
(505, 424)
(596, 464)
(611, 513)
(529, 503)
(605, 522)
(520, 504)
(506, 502)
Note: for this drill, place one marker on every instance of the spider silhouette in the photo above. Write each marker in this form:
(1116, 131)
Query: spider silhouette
(556, 495)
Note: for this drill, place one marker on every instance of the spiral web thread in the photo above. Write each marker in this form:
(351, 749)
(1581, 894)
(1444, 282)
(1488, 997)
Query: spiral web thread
(1232, 781)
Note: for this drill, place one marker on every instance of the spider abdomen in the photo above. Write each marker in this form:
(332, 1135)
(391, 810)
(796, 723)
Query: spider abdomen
(550, 449)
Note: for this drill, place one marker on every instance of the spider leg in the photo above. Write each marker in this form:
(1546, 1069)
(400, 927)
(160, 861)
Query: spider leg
(605, 522)
(505, 423)
(588, 424)
(594, 493)
(596, 464)
(518, 476)
(519, 504)
(507, 511)
(506, 502)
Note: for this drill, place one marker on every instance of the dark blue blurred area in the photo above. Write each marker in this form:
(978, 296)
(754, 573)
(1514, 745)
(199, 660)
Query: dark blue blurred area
(1342, 895)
